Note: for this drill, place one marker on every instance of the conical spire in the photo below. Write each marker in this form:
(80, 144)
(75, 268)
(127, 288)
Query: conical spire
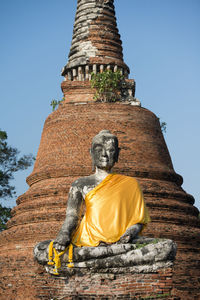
(96, 43)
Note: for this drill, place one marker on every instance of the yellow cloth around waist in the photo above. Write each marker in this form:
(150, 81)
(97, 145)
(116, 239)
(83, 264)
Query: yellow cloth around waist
(111, 208)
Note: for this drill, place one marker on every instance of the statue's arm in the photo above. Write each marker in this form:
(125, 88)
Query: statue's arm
(74, 205)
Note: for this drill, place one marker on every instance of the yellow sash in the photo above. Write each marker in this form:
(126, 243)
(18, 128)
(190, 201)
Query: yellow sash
(111, 208)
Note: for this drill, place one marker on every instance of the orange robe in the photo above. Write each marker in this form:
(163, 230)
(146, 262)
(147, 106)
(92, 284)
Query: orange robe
(111, 208)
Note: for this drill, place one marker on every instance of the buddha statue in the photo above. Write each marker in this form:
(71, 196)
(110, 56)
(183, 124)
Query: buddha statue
(106, 214)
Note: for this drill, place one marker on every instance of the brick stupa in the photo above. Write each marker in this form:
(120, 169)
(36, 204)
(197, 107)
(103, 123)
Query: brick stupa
(63, 156)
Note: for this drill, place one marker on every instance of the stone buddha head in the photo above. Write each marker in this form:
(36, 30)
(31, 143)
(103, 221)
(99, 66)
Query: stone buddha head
(104, 150)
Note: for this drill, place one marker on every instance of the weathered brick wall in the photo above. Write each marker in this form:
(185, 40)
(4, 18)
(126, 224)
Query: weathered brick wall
(64, 155)
(77, 91)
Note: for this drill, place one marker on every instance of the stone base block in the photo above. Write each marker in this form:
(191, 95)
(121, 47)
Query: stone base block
(107, 286)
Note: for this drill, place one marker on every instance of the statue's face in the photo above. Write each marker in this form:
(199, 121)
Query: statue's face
(104, 153)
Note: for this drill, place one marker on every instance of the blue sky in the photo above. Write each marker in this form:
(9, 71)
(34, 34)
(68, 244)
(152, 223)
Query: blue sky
(161, 46)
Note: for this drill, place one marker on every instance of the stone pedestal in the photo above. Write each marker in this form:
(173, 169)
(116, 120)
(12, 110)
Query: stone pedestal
(108, 286)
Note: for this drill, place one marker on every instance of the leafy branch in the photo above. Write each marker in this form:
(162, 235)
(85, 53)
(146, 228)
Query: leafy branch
(55, 103)
(10, 162)
(163, 126)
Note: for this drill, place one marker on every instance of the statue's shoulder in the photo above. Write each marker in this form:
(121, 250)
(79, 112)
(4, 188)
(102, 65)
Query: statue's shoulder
(85, 181)
(129, 179)
(122, 176)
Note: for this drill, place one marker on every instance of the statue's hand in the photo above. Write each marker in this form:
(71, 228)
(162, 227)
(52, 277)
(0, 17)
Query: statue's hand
(61, 242)
(130, 234)
(125, 238)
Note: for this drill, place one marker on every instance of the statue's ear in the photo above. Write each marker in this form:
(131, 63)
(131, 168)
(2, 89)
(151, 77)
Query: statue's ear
(117, 155)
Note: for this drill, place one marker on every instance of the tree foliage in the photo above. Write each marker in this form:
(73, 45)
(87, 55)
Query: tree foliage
(10, 162)
(108, 85)
(163, 126)
(5, 215)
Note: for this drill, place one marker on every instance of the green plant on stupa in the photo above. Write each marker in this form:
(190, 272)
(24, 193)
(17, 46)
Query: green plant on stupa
(55, 103)
(108, 85)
